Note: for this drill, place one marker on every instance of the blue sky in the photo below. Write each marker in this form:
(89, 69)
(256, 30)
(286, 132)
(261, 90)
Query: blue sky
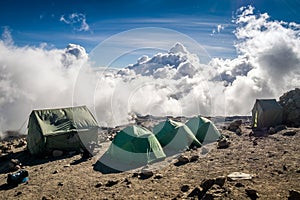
(54, 22)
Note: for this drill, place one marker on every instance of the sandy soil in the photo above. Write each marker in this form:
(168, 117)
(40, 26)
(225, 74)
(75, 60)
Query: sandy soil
(273, 160)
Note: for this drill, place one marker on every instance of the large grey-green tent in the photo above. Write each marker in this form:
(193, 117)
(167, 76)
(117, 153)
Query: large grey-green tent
(68, 129)
(175, 136)
(266, 113)
(204, 130)
(135, 145)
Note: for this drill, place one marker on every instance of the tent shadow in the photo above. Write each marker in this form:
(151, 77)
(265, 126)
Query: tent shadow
(6, 186)
(26, 159)
(104, 169)
(107, 165)
(78, 161)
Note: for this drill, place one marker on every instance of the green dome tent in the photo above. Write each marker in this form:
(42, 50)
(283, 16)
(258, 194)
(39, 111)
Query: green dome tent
(174, 135)
(67, 129)
(204, 130)
(135, 145)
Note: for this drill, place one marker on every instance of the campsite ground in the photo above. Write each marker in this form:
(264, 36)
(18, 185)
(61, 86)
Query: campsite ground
(274, 160)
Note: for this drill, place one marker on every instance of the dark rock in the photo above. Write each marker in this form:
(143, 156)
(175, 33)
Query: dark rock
(183, 159)
(233, 126)
(111, 183)
(98, 185)
(223, 144)
(255, 143)
(185, 188)
(146, 173)
(194, 158)
(18, 193)
(238, 184)
(284, 167)
(127, 181)
(196, 192)
(271, 131)
(158, 176)
(290, 103)
(207, 184)
(60, 184)
(294, 195)
(220, 181)
(252, 194)
(289, 133)
(14, 165)
(238, 131)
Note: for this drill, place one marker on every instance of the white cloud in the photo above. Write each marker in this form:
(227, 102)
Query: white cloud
(77, 20)
(220, 27)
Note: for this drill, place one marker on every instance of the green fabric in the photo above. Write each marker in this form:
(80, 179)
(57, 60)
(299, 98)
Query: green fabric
(64, 129)
(266, 113)
(204, 130)
(175, 135)
(135, 144)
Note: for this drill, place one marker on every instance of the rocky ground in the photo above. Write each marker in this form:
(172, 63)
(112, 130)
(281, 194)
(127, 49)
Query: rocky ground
(271, 163)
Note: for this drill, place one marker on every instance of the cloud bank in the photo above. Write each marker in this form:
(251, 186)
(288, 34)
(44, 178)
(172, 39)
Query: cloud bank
(171, 83)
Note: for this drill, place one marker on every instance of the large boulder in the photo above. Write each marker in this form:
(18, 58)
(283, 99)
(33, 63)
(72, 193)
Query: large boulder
(290, 102)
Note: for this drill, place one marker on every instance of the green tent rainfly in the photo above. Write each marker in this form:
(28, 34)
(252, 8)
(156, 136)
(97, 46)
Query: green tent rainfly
(135, 144)
(69, 129)
(175, 136)
(204, 130)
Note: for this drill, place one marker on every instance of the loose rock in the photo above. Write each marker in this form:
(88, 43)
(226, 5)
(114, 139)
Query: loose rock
(158, 176)
(207, 184)
(294, 195)
(238, 184)
(194, 158)
(98, 185)
(196, 192)
(233, 126)
(183, 159)
(185, 188)
(146, 173)
(252, 194)
(111, 183)
(220, 181)
(14, 164)
(289, 133)
(223, 144)
(271, 131)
